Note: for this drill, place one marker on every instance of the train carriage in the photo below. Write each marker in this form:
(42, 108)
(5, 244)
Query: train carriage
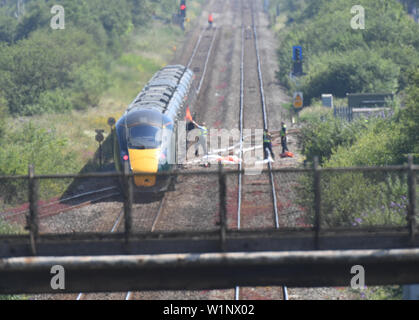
(145, 136)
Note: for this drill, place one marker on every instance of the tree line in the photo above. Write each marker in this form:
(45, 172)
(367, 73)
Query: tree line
(46, 70)
(339, 59)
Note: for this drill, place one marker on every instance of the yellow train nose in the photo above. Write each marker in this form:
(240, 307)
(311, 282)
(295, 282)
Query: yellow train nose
(144, 161)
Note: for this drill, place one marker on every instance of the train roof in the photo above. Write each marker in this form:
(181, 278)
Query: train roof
(138, 116)
(165, 93)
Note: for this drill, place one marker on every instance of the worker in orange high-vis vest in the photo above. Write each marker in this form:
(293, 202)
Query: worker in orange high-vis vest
(210, 20)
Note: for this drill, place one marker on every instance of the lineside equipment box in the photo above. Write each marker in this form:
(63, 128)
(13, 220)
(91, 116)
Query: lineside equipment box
(368, 100)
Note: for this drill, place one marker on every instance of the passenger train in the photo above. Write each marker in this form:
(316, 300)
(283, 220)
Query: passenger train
(146, 134)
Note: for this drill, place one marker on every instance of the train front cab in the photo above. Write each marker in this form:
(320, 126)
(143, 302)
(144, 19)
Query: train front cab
(145, 139)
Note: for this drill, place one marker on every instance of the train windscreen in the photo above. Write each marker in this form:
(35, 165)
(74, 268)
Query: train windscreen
(144, 137)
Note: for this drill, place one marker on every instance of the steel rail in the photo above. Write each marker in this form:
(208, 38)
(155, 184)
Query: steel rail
(114, 228)
(239, 197)
(206, 62)
(265, 124)
(160, 209)
(129, 294)
(195, 49)
(81, 195)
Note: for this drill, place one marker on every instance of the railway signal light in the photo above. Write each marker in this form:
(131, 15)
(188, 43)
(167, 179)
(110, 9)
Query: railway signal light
(99, 135)
(183, 10)
(99, 138)
(111, 122)
(297, 57)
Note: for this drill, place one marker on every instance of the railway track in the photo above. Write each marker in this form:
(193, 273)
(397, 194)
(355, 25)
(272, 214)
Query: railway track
(253, 190)
(142, 220)
(200, 57)
(58, 206)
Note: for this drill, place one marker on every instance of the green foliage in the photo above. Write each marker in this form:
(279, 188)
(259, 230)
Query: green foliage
(338, 59)
(383, 293)
(7, 27)
(353, 199)
(41, 63)
(312, 114)
(41, 67)
(374, 146)
(3, 114)
(49, 101)
(409, 135)
(321, 137)
(8, 229)
(36, 18)
(141, 64)
(351, 71)
(357, 199)
(89, 83)
(141, 11)
(43, 148)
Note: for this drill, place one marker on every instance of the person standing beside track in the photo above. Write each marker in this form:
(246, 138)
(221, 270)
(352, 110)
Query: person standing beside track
(267, 145)
(210, 20)
(284, 137)
(202, 141)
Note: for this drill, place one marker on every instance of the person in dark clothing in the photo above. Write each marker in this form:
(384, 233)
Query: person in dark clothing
(190, 126)
(267, 145)
(284, 137)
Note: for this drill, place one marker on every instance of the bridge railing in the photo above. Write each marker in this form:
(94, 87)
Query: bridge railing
(317, 235)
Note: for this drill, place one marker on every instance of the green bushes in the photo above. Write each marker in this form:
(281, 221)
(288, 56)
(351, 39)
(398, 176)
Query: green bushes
(89, 82)
(409, 119)
(41, 67)
(341, 60)
(321, 137)
(44, 70)
(351, 71)
(43, 148)
(7, 27)
(47, 61)
(357, 199)
(49, 102)
(352, 199)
